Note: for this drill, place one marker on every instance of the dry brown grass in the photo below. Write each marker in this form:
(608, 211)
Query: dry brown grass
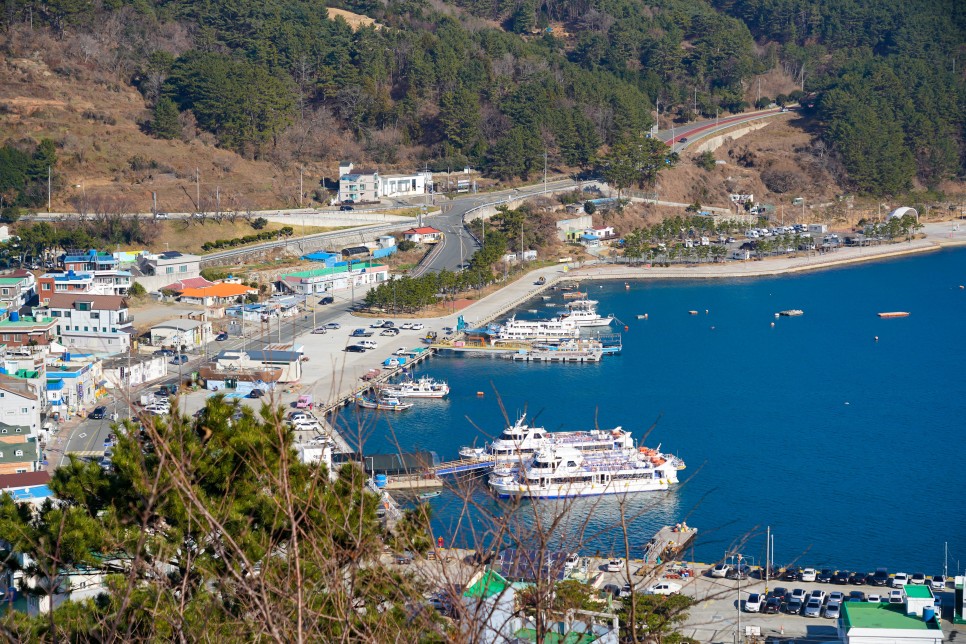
(188, 236)
(355, 20)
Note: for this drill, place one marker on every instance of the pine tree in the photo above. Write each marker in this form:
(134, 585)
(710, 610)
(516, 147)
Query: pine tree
(165, 124)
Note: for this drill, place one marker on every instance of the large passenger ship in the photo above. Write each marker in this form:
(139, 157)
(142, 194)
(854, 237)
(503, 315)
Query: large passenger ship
(519, 442)
(559, 472)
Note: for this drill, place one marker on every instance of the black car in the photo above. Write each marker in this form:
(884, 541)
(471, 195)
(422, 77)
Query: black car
(221, 337)
(880, 577)
(780, 592)
(328, 299)
(793, 606)
(825, 576)
(858, 579)
(739, 572)
(792, 573)
(346, 208)
(355, 348)
(164, 352)
(841, 577)
(772, 606)
(856, 596)
(98, 414)
(256, 393)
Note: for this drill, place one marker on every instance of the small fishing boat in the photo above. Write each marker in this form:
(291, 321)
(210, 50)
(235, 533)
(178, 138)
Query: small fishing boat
(385, 403)
(545, 297)
(642, 316)
(790, 313)
(574, 295)
(894, 314)
(692, 312)
(531, 310)
(425, 496)
(541, 281)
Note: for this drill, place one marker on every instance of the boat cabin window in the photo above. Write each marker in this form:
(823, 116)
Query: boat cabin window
(571, 464)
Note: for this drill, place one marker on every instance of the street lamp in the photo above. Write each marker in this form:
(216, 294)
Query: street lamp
(738, 630)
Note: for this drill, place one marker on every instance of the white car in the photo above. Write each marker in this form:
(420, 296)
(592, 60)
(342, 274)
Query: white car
(615, 565)
(303, 423)
(720, 570)
(900, 579)
(754, 603)
(938, 582)
(897, 596)
(663, 588)
(406, 325)
(377, 324)
(809, 574)
(369, 344)
(417, 326)
(401, 351)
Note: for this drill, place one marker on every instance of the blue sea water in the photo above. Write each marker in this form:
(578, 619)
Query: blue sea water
(852, 449)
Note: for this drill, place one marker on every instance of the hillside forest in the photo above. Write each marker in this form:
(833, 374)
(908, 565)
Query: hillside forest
(497, 84)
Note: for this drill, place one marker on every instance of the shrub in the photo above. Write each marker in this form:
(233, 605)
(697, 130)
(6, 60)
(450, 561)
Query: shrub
(259, 223)
(589, 207)
(405, 245)
(705, 161)
(137, 290)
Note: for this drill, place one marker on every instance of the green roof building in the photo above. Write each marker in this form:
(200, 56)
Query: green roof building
(881, 623)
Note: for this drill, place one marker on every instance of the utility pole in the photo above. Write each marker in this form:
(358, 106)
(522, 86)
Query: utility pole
(544, 172)
(154, 203)
(695, 100)
(300, 185)
(218, 199)
(759, 88)
(767, 558)
(48, 188)
(197, 189)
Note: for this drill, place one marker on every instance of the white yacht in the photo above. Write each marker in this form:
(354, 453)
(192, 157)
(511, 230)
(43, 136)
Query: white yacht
(519, 442)
(425, 387)
(554, 329)
(558, 472)
(584, 313)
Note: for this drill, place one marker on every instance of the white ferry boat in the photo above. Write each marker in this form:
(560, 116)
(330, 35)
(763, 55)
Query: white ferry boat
(562, 472)
(425, 387)
(584, 313)
(547, 330)
(519, 442)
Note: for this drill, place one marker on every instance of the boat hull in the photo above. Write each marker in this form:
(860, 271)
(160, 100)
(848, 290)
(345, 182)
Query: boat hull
(567, 491)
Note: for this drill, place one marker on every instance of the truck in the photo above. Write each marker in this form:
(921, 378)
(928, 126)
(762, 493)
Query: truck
(362, 333)
(304, 402)
(147, 399)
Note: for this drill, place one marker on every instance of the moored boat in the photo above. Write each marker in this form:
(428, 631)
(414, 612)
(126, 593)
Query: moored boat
(789, 313)
(424, 387)
(894, 314)
(384, 403)
(562, 472)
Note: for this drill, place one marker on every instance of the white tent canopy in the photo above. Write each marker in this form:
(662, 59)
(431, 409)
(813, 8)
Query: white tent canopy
(902, 211)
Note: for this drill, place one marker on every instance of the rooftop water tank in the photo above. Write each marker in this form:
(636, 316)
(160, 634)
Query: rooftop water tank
(14, 316)
(928, 614)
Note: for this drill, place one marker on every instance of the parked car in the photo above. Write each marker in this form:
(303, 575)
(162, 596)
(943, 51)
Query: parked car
(164, 352)
(918, 578)
(406, 325)
(160, 215)
(832, 610)
(319, 330)
(858, 578)
(836, 596)
(809, 574)
(873, 598)
(780, 592)
(614, 565)
(897, 596)
(791, 573)
(328, 299)
(773, 605)
(377, 324)
(817, 594)
(825, 576)
(404, 557)
(98, 414)
(355, 348)
(625, 591)
(390, 332)
(332, 326)
(899, 579)
(813, 608)
(856, 596)
(179, 359)
(346, 208)
(361, 333)
(417, 326)
(938, 582)
(663, 588)
(880, 577)
(800, 594)
(368, 344)
(720, 570)
(256, 393)
(841, 577)
(754, 603)
(793, 606)
(221, 337)
(741, 571)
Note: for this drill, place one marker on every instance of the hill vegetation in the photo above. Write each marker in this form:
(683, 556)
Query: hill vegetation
(498, 85)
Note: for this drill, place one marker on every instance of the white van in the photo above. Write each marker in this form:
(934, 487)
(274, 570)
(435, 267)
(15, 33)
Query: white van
(369, 344)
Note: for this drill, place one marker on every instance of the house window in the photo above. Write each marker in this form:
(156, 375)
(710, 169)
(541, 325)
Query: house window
(3, 431)
(183, 268)
(85, 328)
(6, 337)
(6, 291)
(21, 470)
(23, 410)
(46, 287)
(19, 452)
(95, 316)
(83, 306)
(169, 269)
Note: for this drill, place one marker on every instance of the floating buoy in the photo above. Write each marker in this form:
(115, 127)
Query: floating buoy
(876, 338)
(706, 311)
(626, 328)
(712, 328)
(627, 286)
(846, 402)
(961, 286)
(645, 316)
(776, 315)
(773, 324)
(479, 394)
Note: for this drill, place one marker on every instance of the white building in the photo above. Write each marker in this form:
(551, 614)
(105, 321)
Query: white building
(336, 278)
(157, 271)
(880, 623)
(574, 224)
(181, 332)
(405, 185)
(424, 235)
(289, 362)
(19, 404)
(95, 323)
(133, 371)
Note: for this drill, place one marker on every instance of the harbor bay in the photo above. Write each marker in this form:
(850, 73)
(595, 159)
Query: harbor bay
(839, 429)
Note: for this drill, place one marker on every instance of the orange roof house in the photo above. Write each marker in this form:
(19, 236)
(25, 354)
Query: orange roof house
(216, 294)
